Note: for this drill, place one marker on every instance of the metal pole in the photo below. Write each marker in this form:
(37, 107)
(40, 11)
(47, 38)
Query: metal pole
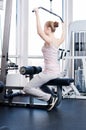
(51, 5)
(6, 36)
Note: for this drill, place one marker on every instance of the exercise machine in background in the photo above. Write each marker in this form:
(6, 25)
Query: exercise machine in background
(77, 60)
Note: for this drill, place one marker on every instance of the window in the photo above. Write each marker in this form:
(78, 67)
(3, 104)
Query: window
(1, 24)
(12, 41)
(2, 8)
(79, 9)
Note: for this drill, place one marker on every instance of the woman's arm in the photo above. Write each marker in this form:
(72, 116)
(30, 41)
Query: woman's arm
(40, 31)
(38, 24)
(62, 38)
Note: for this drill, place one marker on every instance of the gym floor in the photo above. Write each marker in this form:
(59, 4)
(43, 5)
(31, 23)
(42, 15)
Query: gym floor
(69, 115)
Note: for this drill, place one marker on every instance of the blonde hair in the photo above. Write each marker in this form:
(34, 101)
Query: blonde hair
(52, 25)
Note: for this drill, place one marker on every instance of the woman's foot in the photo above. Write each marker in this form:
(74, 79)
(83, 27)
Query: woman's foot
(52, 102)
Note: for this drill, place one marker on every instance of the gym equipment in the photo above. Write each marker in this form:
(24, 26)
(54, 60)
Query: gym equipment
(1, 86)
(30, 70)
(6, 64)
(63, 53)
(77, 36)
(7, 96)
(50, 13)
(51, 5)
(11, 65)
(6, 34)
(57, 83)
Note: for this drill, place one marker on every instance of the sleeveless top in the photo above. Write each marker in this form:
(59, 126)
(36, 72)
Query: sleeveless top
(51, 63)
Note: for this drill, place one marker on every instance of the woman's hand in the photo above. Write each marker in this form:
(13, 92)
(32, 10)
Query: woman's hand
(63, 26)
(35, 10)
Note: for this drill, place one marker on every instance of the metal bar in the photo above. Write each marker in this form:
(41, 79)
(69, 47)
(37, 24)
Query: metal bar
(24, 104)
(6, 37)
(50, 12)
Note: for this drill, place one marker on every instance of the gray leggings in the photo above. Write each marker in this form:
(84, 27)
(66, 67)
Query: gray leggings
(33, 86)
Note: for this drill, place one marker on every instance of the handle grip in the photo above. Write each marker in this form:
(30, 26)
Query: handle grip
(38, 8)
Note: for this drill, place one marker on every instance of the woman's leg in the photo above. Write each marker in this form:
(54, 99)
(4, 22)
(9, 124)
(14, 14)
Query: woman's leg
(33, 86)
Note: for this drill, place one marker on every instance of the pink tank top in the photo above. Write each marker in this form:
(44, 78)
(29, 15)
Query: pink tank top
(51, 63)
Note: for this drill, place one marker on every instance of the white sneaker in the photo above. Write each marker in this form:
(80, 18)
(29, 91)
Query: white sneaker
(52, 105)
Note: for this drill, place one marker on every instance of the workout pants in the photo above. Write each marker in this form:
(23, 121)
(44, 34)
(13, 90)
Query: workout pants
(33, 86)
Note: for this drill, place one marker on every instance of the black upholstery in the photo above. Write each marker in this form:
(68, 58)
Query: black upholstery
(60, 81)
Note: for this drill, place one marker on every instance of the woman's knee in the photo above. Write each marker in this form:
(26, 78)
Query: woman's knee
(26, 89)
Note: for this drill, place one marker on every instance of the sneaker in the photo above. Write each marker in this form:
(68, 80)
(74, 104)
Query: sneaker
(52, 104)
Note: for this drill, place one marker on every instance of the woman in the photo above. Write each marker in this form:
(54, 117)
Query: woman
(51, 69)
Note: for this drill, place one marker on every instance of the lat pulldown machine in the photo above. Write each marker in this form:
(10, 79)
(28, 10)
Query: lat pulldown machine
(7, 98)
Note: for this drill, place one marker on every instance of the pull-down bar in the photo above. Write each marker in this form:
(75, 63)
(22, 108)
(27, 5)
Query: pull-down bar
(50, 13)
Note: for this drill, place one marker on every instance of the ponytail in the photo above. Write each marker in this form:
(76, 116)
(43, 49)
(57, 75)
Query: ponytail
(56, 24)
(52, 25)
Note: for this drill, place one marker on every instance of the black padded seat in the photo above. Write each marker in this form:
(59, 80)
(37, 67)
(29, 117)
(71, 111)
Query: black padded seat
(60, 81)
